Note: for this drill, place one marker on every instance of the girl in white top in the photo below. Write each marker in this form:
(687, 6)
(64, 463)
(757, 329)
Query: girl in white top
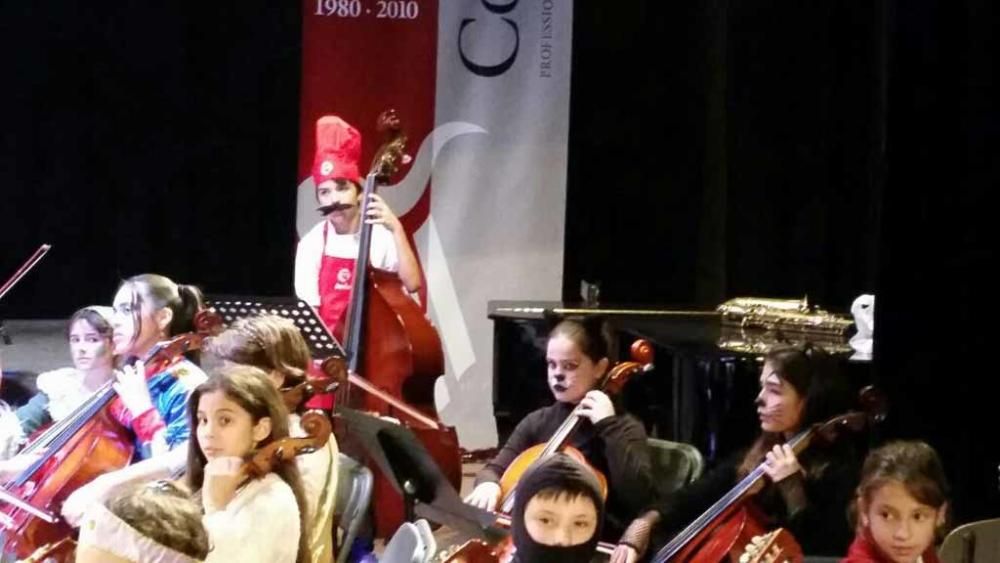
(61, 390)
(275, 345)
(235, 412)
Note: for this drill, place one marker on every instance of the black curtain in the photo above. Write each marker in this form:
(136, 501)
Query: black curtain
(725, 148)
(768, 148)
(937, 244)
(717, 148)
(151, 136)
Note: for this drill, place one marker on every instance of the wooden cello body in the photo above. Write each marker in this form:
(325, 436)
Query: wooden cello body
(100, 446)
(79, 448)
(402, 353)
(722, 532)
(728, 538)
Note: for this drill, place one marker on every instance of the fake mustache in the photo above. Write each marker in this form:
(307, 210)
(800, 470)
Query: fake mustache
(328, 209)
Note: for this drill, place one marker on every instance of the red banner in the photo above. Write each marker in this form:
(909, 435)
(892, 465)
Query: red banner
(360, 58)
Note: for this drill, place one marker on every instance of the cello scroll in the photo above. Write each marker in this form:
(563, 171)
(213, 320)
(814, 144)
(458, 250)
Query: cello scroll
(318, 430)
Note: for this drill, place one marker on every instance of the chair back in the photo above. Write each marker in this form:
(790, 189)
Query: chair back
(408, 545)
(976, 542)
(354, 495)
(675, 464)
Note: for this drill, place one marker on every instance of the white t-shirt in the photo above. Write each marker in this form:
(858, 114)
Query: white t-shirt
(308, 255)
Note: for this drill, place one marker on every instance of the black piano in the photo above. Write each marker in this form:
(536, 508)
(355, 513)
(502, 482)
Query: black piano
(700, 392)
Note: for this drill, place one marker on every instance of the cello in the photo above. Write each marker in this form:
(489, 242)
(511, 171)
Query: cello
(612, 382)
(317, 433)
(82, 446)
(720, 533)
(479, 551)
(391, 343)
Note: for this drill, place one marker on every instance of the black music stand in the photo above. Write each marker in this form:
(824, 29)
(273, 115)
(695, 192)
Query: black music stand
(411, 470)
(321, 344)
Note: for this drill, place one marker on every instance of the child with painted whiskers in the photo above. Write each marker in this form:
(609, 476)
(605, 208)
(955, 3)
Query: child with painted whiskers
(807, 493)
(236, 412)
(901, 505)
(612, 441)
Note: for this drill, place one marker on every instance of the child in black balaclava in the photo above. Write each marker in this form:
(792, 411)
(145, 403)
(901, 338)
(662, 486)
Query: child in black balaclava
(558, 513)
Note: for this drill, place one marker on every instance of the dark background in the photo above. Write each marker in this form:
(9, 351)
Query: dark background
(717, 148)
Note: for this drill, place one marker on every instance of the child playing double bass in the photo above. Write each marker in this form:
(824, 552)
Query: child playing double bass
(325, 257)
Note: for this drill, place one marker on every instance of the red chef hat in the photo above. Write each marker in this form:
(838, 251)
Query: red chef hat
(338, 150)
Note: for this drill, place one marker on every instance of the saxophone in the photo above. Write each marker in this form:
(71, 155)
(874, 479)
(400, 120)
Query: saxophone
(782, 315)
(754, 324)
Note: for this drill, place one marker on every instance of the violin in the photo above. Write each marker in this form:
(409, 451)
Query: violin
(480, 551)
(82, 446)
(612, 382)
(733, 521)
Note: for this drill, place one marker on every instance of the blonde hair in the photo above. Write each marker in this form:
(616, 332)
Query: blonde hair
(166, 514)
(268, 342)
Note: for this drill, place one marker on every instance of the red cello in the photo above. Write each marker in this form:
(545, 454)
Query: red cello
(87, 443)
(391, 343)
(317, 432)
(723, 530)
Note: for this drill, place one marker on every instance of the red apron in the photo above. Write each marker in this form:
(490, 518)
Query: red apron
(336, 276)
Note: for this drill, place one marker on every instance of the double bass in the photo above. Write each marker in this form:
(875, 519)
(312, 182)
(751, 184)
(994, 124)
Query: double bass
(82, 446)
(722, 532)
(391, 343)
